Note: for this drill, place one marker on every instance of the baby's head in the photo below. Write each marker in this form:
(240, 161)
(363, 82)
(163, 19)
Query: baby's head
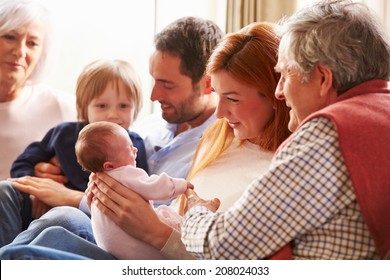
(103, 146)
(109, 84)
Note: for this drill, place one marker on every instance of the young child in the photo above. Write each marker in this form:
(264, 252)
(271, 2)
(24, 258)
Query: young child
(107, 90)
(105, 147)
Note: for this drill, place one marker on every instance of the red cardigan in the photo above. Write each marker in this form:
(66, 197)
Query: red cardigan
(362, 119)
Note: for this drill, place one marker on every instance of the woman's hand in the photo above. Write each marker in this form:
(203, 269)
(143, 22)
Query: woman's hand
(48, 191)
(193, 200)
(129, 211)
(50, 170)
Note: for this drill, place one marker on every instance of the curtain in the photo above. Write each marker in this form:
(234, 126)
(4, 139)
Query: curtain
(242, 12)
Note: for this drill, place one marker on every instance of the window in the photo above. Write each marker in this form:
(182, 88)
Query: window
(86, 30)
(91, 29)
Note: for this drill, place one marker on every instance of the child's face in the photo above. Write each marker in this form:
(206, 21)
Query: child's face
(113, 105)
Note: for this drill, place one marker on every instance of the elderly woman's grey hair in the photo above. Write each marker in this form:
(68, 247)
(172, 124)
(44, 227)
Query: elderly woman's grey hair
(16, 13)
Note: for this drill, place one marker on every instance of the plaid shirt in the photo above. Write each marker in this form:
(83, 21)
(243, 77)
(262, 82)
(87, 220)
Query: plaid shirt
(306, 199)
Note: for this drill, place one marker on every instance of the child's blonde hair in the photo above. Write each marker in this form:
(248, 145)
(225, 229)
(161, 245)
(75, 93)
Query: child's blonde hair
(95, 77)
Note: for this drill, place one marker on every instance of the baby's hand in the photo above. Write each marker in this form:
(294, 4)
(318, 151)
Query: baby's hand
(190, 186)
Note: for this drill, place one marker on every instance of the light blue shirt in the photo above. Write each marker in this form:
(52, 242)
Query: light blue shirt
(165, 152)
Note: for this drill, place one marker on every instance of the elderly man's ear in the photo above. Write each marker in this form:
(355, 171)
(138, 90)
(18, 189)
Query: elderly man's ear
(326, 80)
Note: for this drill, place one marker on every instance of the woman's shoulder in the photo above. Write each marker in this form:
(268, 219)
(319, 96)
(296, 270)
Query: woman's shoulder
(44, 94)
(44, 90)
(53, 100)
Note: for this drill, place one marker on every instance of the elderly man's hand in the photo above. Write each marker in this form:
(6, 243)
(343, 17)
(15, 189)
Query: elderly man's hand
(193, 200)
